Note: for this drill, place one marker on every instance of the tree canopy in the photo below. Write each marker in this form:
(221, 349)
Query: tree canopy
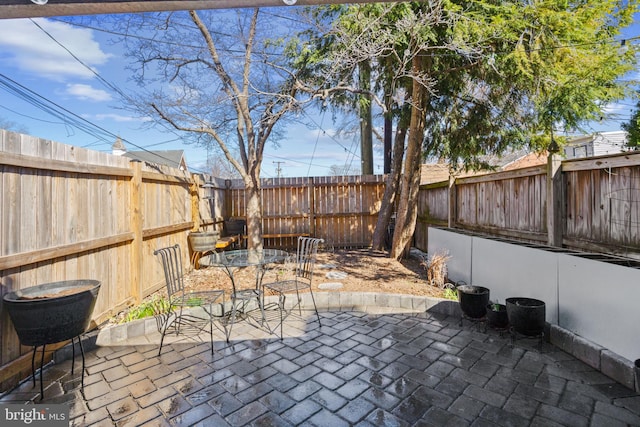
(461, 79)
(220, 78)
(480, 76)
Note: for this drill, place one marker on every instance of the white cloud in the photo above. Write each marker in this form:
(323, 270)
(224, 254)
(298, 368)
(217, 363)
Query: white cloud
(116, 117)
(86, 92)
(29, 49)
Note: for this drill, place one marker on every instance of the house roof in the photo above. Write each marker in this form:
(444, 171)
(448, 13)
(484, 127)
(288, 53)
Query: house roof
(172, 158)
(529, 159)
(437, 172)
(434, 172)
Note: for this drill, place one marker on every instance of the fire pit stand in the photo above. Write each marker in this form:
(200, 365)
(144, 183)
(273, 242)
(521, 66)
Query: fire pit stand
(73, 361)
(52, 313)
(515, 335)
(477, 322)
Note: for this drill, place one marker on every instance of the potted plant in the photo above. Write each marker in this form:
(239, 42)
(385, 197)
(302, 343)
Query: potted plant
(497, 315)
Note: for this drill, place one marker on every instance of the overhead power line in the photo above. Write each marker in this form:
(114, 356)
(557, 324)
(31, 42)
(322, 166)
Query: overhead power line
(66, 116)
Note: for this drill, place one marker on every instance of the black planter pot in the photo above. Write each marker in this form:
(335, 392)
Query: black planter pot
(497, 316)
(52, 312)
(526, 315)
(473, 300)
(235, 226)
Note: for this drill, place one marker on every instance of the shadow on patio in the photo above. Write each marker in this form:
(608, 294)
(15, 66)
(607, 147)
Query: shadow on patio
(358, 369)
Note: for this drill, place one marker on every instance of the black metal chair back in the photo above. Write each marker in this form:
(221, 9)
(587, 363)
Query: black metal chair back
(172, 265)
(179, 299)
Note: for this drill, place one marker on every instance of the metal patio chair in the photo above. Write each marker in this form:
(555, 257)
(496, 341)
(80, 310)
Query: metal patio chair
(191, 310)
(305, 260)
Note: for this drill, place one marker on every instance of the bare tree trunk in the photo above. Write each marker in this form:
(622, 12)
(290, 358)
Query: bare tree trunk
(407, 210)
(412, 207)
(390, 190)
(254, 215)
(388, 135)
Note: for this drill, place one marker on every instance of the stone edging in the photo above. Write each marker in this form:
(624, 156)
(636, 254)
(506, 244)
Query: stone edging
(609, 363)
(368, 302)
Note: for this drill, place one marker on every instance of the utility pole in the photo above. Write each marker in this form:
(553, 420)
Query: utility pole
(366, 133)
(278, 168)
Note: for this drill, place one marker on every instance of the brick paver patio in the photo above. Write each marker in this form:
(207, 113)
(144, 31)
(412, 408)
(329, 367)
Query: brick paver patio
(409, 369)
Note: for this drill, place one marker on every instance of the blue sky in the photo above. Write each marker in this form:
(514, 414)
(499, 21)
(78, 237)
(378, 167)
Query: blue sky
(34, 60)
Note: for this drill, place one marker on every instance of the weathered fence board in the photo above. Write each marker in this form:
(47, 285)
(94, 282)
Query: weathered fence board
(342, 210)
(600, 204)
(59, 222)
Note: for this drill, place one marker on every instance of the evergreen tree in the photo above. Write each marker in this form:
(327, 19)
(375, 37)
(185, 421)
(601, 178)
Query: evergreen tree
(485, 75)
(633, 129)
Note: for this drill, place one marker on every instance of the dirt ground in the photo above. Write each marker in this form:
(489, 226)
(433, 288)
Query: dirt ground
(354, 270)
(365, 272)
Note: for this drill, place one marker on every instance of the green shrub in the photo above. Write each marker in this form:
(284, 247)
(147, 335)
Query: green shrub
(152, 307)
(450, 293)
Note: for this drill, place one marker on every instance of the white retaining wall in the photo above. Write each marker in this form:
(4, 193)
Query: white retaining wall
(595, 300)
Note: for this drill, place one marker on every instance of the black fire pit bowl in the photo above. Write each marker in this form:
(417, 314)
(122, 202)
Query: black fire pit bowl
(41, 316)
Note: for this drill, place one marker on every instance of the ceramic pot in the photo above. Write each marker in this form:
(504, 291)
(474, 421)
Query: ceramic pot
(203, 241)
(52, 312)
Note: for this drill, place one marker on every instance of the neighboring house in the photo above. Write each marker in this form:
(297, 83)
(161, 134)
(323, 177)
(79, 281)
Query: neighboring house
(438, 172)
(530, 159)
(172, 158)
(434, 172)
(598, 144)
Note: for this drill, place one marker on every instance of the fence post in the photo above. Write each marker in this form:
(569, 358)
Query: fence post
(451, 217)
(194, 190)
(554, 199)
(312, 203)
(136, 228)
(226, 209)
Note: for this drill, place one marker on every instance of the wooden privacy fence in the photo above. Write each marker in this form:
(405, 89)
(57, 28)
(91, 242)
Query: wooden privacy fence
(69, 213)
(588, 204)
(342, 210)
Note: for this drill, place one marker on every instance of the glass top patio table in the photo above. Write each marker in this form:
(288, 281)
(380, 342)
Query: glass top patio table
(244, 258)
(231, 261)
